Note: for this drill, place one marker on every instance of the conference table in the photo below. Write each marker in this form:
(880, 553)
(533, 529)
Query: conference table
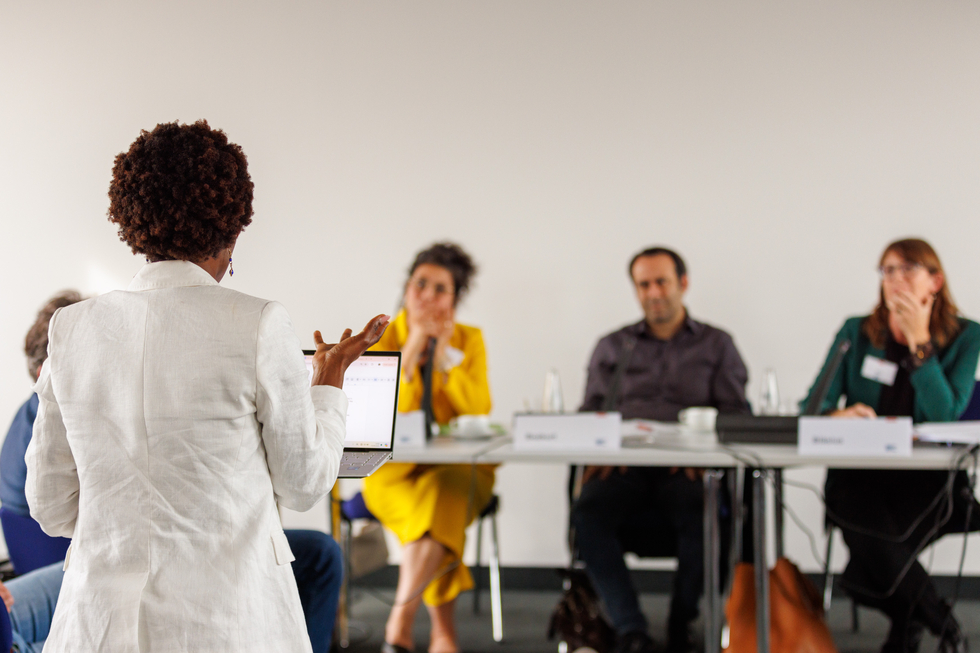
(702, 450)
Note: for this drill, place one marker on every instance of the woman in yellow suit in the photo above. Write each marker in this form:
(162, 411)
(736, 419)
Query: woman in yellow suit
(429, 506)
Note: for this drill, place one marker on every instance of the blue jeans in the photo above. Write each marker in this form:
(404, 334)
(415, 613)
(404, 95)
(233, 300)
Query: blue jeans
(35, 595)
(318, 569)
(650, 512)
(319, 572)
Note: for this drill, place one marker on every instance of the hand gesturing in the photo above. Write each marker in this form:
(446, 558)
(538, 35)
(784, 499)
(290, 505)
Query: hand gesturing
(331, 361)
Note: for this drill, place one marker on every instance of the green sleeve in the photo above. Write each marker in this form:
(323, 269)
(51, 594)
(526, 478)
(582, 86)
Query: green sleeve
(944, 384)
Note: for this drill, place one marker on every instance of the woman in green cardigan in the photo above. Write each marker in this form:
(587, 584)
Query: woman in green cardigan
(913, 356)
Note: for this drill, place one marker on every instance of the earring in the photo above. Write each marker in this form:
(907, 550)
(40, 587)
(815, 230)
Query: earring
(231, 268)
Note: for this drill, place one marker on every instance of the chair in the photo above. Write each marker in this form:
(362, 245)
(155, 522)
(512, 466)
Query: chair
(355, 508)
(972, 411)
(29, 547)
(349, 510)
(496, 608)
(828, 580)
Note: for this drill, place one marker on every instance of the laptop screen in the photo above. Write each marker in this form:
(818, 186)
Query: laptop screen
(371, 386)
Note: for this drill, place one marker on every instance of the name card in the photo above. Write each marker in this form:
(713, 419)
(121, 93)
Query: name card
(855, 437)
(575, 431)
(410, 429)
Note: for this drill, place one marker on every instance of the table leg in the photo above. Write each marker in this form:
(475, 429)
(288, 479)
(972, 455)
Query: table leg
(737, 490)
(777, 500)
(761, 566)
(712, 560)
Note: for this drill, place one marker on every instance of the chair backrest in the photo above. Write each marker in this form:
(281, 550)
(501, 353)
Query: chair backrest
(29, 547)
(972, 411)
(6, 632)
(355, 508)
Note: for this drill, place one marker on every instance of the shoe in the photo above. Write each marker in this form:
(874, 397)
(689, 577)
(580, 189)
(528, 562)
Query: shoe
(394, 648)
(903, 637)
(952, 639)
(635, 642)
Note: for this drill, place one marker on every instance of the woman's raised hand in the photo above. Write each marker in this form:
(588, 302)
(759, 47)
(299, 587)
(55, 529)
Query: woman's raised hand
(912, 317)
(330, 362)
(857, 410)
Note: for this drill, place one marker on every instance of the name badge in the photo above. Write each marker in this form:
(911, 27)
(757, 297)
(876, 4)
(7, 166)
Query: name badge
(880, 370)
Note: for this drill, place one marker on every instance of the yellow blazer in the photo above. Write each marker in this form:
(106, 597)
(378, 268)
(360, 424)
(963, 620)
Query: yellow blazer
(416, 500)
(463, 390)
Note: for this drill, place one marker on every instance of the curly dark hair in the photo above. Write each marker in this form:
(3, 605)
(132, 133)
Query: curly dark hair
(181, 192)
(452, 257)
(36, 342)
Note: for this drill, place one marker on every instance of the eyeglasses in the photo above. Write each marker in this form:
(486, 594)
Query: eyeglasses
(892, 271)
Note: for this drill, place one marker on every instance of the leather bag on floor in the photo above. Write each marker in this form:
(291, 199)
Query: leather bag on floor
(797, 623)
(577, 619)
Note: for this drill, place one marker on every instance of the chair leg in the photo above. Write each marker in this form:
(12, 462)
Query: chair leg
(495, 601)
(855, 625)
(477, 576)
(828, 575)
(344, 631)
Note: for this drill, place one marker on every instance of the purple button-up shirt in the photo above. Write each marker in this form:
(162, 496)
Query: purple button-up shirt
(699, 366)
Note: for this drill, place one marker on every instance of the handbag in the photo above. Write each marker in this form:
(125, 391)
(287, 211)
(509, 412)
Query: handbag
(577, 619)
(797, 623)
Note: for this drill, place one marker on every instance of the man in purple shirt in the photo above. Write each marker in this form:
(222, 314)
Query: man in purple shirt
(652, 370)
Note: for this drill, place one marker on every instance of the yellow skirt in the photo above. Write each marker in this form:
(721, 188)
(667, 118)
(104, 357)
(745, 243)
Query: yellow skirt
(415, 500)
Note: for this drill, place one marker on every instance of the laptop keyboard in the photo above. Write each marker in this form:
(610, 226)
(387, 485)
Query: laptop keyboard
(362, 463)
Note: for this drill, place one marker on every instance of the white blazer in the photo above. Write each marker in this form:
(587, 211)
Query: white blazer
(172, 418)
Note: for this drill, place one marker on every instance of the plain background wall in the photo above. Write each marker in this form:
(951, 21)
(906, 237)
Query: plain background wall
(778, 146)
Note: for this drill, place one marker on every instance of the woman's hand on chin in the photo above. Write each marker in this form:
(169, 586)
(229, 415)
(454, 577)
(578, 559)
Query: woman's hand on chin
(332, 360)
(912, 317)
(857, 410)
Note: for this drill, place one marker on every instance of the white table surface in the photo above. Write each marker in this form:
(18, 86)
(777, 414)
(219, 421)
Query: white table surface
(706, 452)
(445, 450)
(702, 450)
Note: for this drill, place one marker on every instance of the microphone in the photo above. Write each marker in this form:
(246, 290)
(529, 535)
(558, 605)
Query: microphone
(822, 386)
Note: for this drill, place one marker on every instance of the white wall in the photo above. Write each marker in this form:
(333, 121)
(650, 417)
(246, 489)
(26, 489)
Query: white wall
(778, 146)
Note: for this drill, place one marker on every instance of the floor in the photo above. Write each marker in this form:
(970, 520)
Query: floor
(526, 617)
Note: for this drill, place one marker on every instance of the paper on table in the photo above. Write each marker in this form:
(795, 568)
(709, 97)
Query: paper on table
(967, 432)
(410, 429)
(639, 433)
(648, 427)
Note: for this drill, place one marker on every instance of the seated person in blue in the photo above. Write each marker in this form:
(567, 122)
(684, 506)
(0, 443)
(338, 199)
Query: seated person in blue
(660, 365)
(913, 356)
(318, 567)
(30, 599)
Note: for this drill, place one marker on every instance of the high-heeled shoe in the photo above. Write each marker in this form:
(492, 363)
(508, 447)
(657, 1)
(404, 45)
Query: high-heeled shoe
(394, 648)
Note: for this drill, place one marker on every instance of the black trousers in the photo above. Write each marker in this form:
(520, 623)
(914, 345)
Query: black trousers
(886, 518)
(650, 512)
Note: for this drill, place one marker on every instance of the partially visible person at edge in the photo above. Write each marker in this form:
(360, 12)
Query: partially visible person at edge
(670, 362)
(927, 357)
(173, 417)
(318, 567)
(429, 506)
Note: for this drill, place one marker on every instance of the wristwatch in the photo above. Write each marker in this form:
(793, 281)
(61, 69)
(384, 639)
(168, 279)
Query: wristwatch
(921, 354)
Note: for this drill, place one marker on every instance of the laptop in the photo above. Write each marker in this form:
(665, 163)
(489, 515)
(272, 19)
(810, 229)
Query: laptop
(371, 386)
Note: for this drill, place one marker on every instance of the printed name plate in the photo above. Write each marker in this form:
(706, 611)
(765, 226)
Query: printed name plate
(410, 429)
(574, 431)
(855, 437)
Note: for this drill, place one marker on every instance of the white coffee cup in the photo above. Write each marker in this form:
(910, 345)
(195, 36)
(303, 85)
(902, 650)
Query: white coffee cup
(470, 425)
(698, 418)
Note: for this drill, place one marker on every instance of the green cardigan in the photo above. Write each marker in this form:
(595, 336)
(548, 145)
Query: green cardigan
(943, 385)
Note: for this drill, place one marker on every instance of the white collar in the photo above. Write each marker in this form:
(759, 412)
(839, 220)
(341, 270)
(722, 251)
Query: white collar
(170, 274)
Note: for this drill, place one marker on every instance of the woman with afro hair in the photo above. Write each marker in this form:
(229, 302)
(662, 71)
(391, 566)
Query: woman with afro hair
(174, 416)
